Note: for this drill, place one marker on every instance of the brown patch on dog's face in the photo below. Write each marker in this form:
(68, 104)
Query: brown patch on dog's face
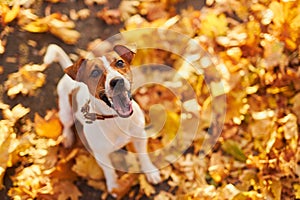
(73, 70)
(94, 76)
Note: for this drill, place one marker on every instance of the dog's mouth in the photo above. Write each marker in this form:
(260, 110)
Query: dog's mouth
(120, 102)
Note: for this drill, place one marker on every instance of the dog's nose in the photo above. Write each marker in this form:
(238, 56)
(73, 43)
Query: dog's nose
(117, 82)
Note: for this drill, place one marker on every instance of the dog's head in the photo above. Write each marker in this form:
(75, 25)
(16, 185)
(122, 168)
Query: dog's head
(108, 78)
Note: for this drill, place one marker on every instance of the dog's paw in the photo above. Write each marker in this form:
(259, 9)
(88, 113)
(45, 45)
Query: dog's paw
(112, 188)
(153, 177)
(68, 138)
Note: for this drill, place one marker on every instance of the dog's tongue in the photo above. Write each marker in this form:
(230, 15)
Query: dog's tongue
(122, 104)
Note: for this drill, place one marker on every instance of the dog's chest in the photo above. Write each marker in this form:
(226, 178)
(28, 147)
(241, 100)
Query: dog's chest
(108, 134)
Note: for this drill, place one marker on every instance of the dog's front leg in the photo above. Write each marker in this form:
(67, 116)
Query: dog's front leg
(65, 111)
(152, 173)
(104, 162)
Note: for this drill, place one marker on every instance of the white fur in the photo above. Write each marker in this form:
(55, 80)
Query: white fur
(103, 136)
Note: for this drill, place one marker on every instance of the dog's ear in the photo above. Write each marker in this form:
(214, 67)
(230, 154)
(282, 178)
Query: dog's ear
(74, 70)
(124, 52)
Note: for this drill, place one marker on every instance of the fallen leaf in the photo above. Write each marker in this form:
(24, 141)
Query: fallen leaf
(91, 2)
(145, 186)
(57, 24)
(66, 190)
(15, 113)
(110, 16)
(297, 190)
(11, 14)
(49, 126)
(126, 182)
(25, 81)
(29, 182)
(214, 25)
(128, 8)
(231, 147)
(8, 144)
(87, 167)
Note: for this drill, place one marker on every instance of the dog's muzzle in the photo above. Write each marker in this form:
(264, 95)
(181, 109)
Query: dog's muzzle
(120, 99)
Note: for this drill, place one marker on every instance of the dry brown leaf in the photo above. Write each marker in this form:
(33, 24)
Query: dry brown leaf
(66, 190)
(110, 16)
(63, 171)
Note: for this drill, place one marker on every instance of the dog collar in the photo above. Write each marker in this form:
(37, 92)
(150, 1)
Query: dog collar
(93, 116)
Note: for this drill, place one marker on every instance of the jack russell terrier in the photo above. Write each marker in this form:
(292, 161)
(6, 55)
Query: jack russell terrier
(100, 89)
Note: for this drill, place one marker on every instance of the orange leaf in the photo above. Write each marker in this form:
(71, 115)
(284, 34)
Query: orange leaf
(49, 127)
(126, 182)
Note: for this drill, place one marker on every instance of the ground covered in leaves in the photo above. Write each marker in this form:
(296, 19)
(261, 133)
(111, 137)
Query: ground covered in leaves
(253, 44)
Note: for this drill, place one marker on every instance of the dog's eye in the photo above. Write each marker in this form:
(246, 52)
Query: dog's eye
(120, 63)
(95, 73)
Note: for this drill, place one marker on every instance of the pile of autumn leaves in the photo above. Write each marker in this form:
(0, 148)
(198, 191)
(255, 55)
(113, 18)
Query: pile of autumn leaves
(255, 46)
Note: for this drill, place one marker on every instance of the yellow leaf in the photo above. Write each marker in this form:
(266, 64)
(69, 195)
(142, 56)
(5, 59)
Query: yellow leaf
(297, 190)
(145, 186)
(128, 8)
(276, 188)
(38, 26)
(87, 167)
(49, 127)
(12, 14)
(16, 113)
(214, 25)
(25, 81)
(277, 9)
(29, 182)
(7, 138)
(290, 126)
(217, 168)
(99, 185)
(171, 127)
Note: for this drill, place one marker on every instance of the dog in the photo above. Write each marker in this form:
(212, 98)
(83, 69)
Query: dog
(110, 117)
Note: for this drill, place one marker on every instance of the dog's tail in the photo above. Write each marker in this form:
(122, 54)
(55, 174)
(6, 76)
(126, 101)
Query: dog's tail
(55, 53)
